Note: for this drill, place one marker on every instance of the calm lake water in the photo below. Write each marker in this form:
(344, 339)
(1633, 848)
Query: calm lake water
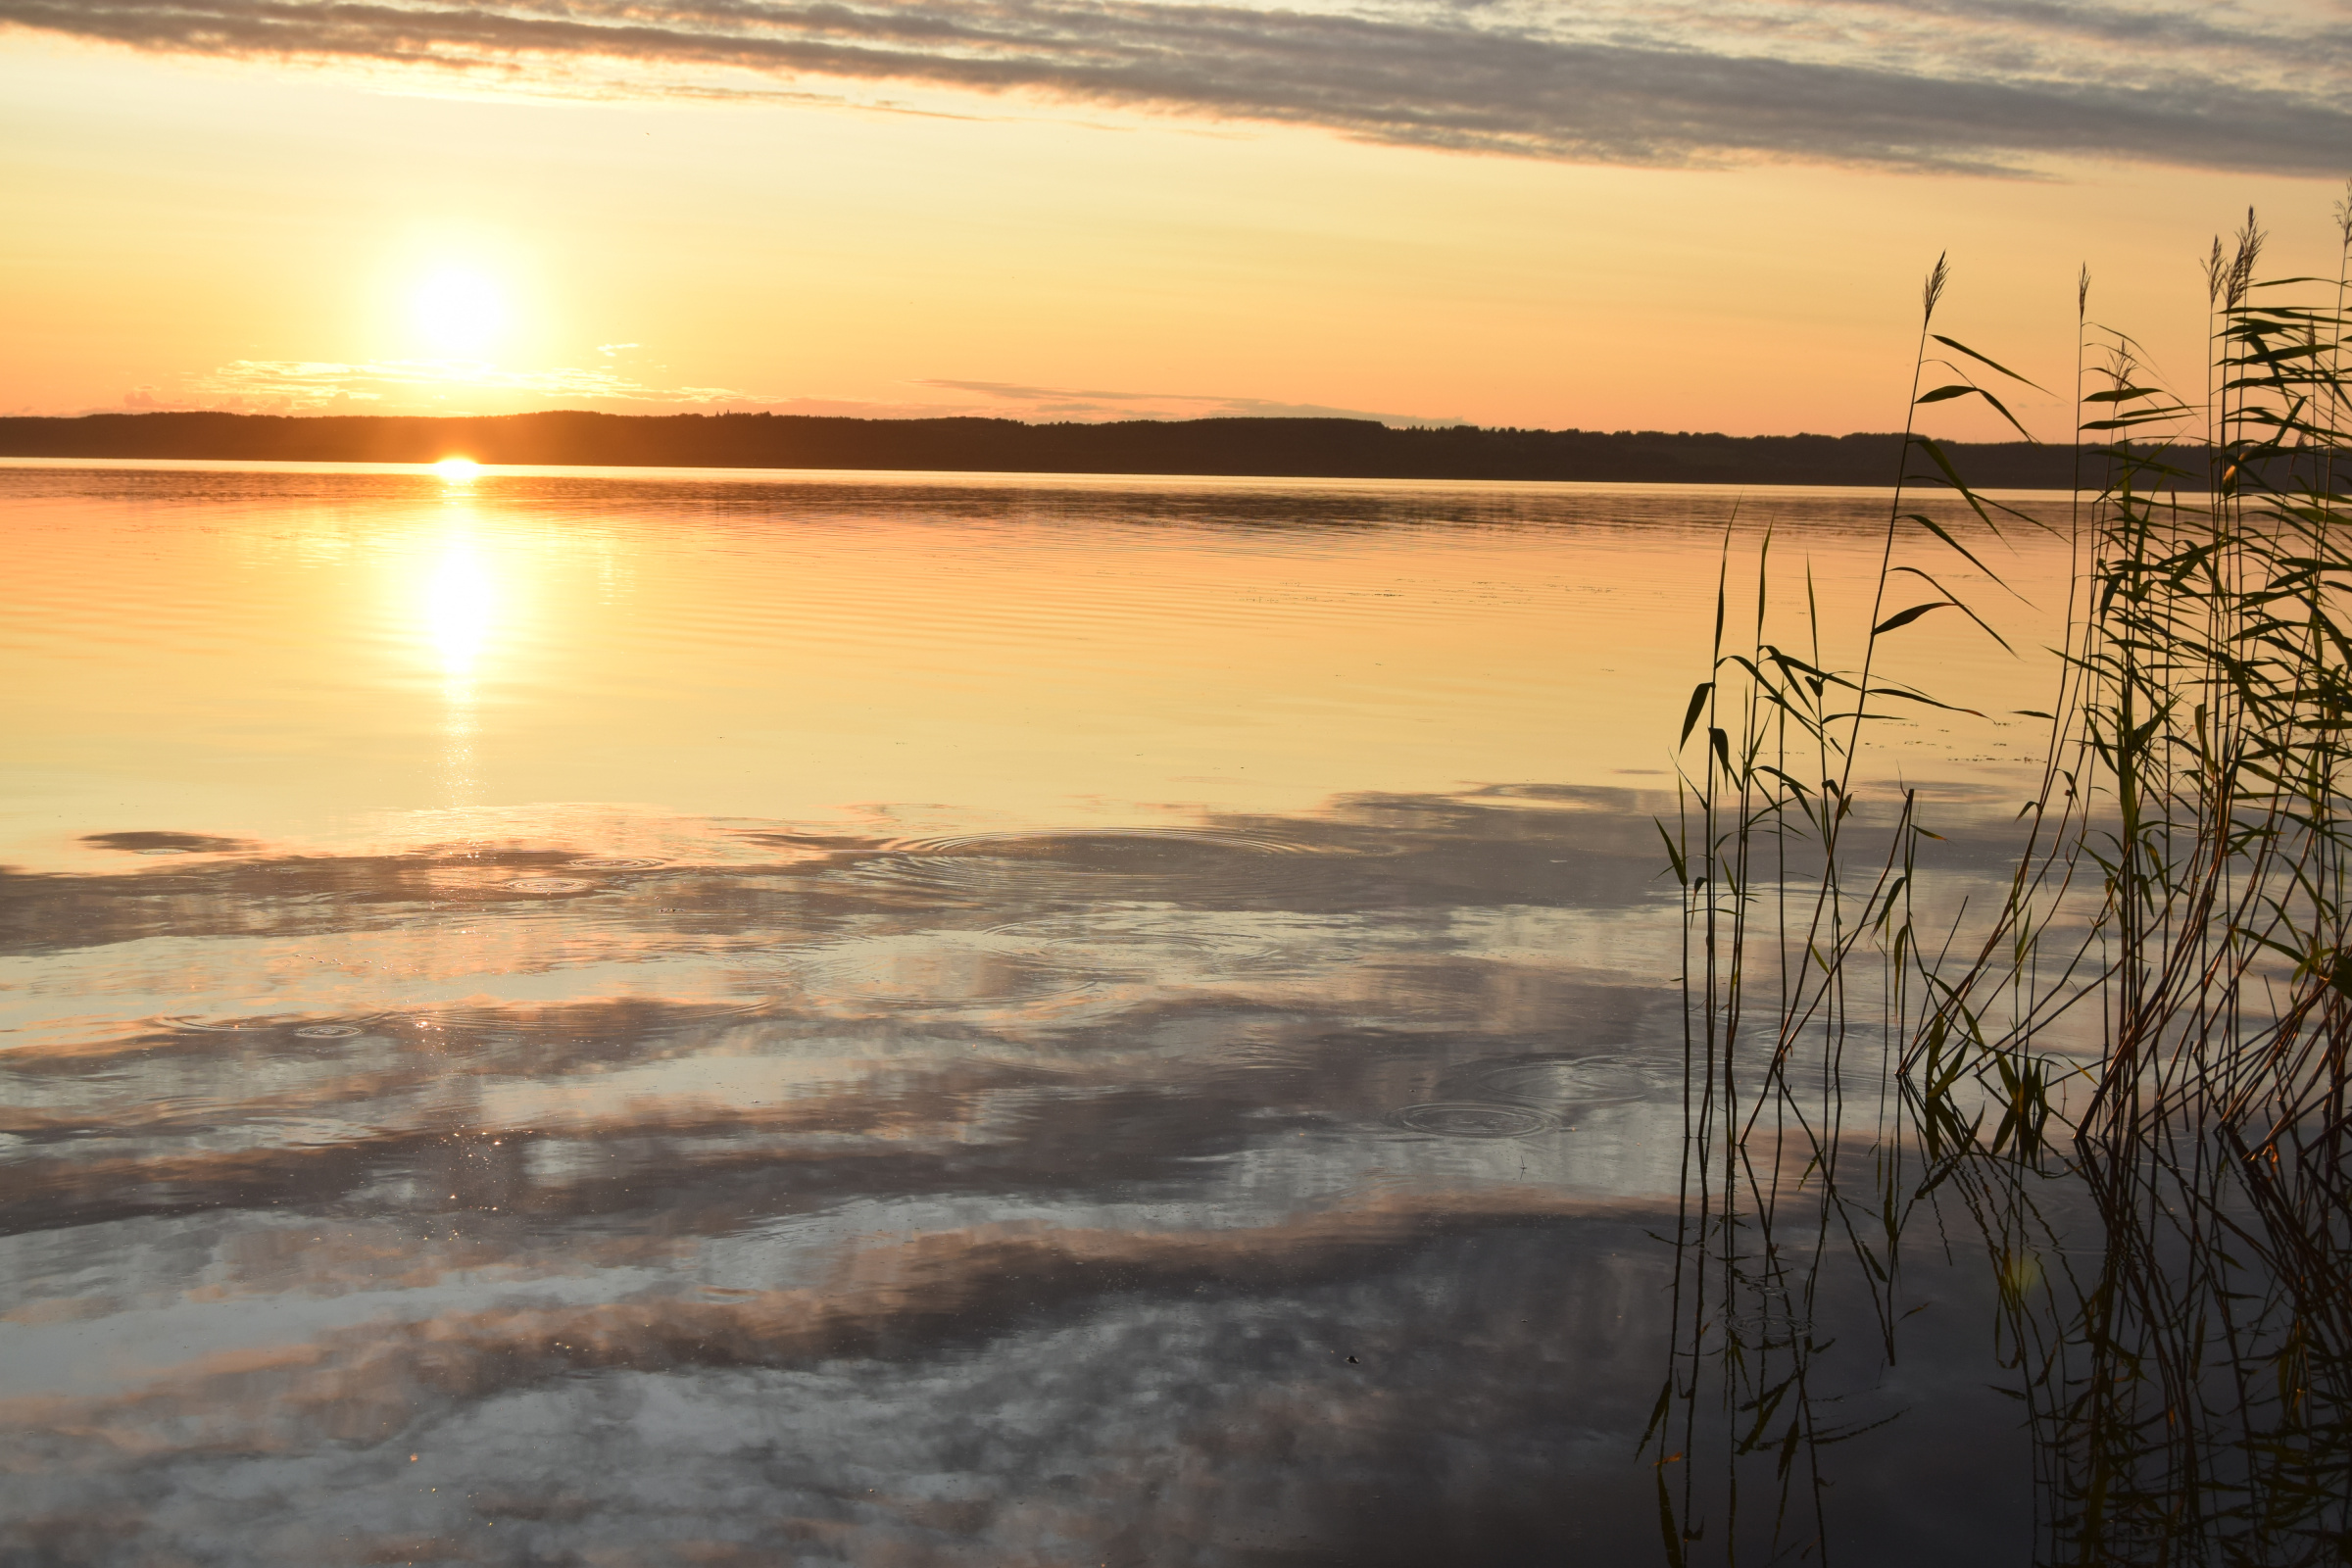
(686, 1018)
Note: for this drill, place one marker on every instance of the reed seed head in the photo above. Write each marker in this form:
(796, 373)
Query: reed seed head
(2242, 264)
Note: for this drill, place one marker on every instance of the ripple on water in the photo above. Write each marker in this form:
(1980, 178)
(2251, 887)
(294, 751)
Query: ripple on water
(616, 863)
(545, 885)
(1113, 848)
(1563, 1085)
(983, 868)
(1769, 1327)
(1473, 1118)
(940, 969)
(271, 1017)
(1162, 944)
(496, 1024)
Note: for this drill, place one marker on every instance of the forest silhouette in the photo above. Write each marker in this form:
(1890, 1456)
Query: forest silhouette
(1301, 448)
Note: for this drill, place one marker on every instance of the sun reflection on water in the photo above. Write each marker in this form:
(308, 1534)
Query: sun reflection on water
(461, 601)
(459, 613)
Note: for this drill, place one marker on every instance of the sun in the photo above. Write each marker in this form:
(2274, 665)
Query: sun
(457, 470)
(460, 312)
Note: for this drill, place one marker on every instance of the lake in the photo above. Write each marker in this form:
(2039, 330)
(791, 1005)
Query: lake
(646, 1017)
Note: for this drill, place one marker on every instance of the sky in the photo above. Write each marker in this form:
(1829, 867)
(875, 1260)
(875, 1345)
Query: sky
(1596, 214)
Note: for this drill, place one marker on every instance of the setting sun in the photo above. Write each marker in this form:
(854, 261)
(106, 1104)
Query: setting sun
(459, 312)
(457, 470)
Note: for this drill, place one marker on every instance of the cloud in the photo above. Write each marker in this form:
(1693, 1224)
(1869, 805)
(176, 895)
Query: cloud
(1067, 403)
(1939, 84)
(459, 386)
(462, 386)
(311, 384)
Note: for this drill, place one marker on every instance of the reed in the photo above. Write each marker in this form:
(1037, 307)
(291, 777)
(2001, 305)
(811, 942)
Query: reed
(2135, 1052)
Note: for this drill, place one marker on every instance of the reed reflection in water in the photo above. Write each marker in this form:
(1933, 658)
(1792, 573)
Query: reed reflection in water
(461, 1108)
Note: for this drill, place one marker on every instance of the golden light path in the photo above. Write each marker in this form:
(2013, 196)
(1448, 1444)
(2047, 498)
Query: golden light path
(790, 658)
(459, 606)
(460, 601)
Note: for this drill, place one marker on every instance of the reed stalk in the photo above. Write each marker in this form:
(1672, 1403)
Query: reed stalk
(2137, 1053)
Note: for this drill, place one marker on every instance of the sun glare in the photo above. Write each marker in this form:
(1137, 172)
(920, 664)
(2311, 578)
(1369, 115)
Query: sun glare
(460, 312)
(457, 470)
(460, 601)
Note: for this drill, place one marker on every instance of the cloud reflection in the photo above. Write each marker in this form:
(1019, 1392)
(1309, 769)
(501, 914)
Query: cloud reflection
(530, 1188)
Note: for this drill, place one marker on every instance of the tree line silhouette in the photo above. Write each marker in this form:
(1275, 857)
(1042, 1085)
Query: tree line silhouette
(1270, 447)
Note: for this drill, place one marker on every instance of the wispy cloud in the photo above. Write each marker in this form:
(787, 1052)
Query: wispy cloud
(1949, 84)
(306, 385)
(463, 386)
(1089, 403)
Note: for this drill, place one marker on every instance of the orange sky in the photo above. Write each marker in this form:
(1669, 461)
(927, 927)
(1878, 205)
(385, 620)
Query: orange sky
(909, 213)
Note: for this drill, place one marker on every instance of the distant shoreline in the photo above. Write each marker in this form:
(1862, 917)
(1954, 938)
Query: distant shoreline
(1320, 449)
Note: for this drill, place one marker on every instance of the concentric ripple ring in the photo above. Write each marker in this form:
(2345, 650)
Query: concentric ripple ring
(1473, 1118)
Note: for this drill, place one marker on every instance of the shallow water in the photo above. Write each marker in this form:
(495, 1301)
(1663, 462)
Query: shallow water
(690, 1019)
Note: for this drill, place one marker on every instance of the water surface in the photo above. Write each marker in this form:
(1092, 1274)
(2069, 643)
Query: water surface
(650, 1017)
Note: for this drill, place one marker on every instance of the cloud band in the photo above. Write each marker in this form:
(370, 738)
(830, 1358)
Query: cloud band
(1913, 85)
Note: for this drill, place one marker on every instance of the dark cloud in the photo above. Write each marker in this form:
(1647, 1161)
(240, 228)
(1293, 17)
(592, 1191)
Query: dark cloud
(1906, 84)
